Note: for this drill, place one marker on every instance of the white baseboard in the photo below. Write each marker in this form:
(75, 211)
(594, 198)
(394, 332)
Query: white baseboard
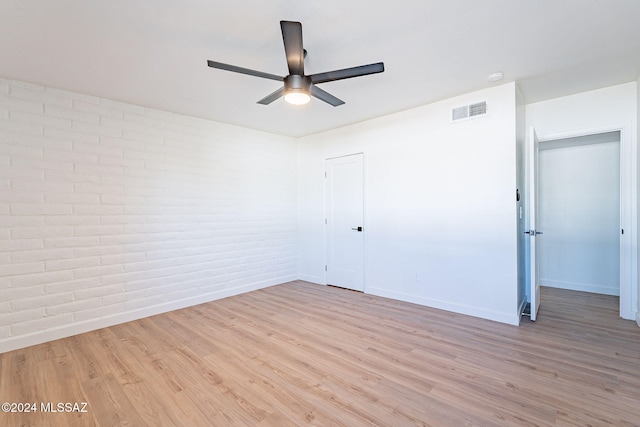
(584, 287)
(509, 318)
(14, 343)
(312, 279)
(638, 318)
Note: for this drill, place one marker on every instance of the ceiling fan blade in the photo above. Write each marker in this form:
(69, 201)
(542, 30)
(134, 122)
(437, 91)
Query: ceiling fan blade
(292, 38)
(235, 69)
(325, 96)
(272, 97)
(347, 73)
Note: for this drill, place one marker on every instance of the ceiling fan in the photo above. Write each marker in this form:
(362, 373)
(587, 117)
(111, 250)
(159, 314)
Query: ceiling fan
(299, 88)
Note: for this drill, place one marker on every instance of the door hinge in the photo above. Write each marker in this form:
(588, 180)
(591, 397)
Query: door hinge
(325, 268)
(325, 220)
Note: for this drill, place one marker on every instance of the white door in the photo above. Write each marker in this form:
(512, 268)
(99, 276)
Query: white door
(532, 232)
(344, 222)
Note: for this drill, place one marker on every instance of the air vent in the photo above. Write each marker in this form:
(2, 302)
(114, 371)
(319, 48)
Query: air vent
(460, 113)
(477, 109)
(467, 111)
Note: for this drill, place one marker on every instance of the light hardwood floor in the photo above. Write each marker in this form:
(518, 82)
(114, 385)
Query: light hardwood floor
(303, 354)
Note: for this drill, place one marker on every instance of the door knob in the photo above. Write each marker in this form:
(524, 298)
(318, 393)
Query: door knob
(357, 228)
(533, 232)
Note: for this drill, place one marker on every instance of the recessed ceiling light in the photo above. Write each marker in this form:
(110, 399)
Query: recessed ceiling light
(494, 77)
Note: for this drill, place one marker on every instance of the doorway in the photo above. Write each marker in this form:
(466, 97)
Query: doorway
(579, 213)
(344, 207)
(626, 231)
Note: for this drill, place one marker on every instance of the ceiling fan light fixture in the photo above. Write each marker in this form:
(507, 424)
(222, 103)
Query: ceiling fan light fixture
(297, 89)
(297, 97)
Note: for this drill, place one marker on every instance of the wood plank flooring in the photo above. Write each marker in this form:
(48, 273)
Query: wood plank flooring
(304, 354)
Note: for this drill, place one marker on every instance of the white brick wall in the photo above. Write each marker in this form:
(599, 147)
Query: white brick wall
(111, 211)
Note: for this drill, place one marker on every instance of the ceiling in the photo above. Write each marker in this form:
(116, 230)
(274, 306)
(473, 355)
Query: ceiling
(154, 52)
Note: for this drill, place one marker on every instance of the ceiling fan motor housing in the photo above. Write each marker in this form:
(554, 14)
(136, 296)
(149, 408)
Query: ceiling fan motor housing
(296, 83)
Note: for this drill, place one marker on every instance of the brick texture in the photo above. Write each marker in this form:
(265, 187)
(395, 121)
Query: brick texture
(109, 209)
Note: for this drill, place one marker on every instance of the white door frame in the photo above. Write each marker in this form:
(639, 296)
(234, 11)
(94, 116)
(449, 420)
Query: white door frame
(628, 210)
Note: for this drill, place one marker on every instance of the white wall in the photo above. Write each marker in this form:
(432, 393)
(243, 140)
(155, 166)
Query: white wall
(111, 211)
(596, 111)
(602, 108)
(440, 209)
